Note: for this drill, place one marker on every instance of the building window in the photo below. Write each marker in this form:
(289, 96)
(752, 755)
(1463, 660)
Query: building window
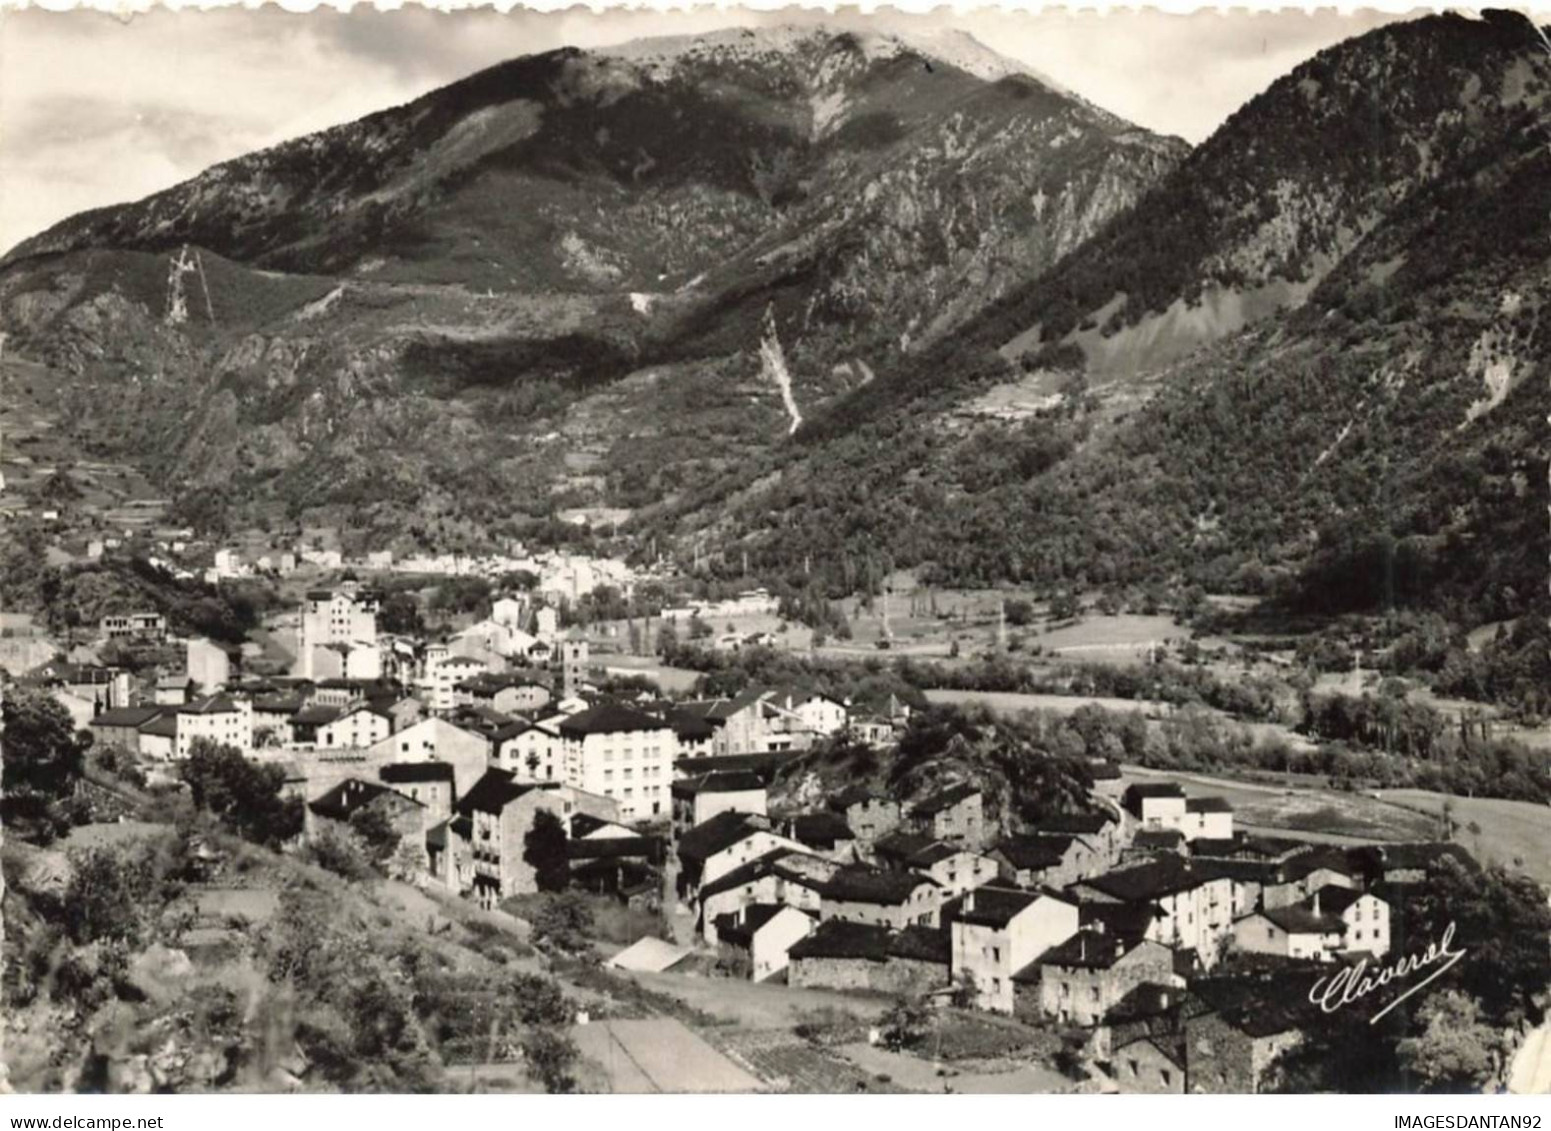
(1168, 1080)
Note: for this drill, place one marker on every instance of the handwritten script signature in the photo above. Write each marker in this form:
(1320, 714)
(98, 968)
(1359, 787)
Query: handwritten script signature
(1353, 983)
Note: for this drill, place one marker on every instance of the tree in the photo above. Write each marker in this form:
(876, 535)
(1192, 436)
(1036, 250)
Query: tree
(106, 897)
(1501, 921)
(544, 850)
(1456, 1051)
(562, 923)
(550, 1056)
(44, 756)
(243, 794)
(905, 1024)
(374, 828)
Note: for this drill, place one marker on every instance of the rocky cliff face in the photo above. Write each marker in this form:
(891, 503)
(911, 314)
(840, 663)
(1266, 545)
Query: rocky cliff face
(1310, 361)
(426, 310)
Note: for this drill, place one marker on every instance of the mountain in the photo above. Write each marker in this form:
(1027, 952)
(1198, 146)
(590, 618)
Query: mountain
(1309, 362)
(548, 285)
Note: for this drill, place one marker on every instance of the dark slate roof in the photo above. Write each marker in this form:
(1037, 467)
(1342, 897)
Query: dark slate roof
(689, 726)
(1300, 919)
(610, 718)
(923, 944)
(316, 715)
(127, 717)
(995, 906)
(1128, 921)
(934, 853)
(756, 869)
(1033, 851)
(754, 916)
(708, 838)
(839, 938)
(615, 847)
(495, 791)
(1158, 838)
(211, 705)
(1154, 789)
(1334, 899)
(898, 847)
(402, 773)
(1208, 805)
(1335, 859)
(164, 726)
(821, 830)
(718, 781)
(1218, 846)
(1071, 824)
(855, 795)
(1244, 871)
(1088, 949)
(765, 765)
(352, 794)
(944, 799)
(1159, 877)
(278, 704)
(584, 823)
(859, 884)
(1104, 771)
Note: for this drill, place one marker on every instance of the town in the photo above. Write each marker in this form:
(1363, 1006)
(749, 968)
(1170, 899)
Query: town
(1173, 950)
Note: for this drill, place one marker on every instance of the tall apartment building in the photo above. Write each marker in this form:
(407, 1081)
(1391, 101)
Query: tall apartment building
(616, 751)
(347, 615)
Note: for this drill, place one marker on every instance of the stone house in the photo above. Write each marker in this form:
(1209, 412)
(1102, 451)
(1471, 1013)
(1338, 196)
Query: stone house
(824, 833)
(896, 900)
(1194, 904)
(1082, 979)
(955, 870)
(1046, 861)
(955, 815)
(699, 798)
(1150, 1066)
(764, 933)
(868, 814)
(998, 931)
(843, 955)
(501, 811)
(430, 783)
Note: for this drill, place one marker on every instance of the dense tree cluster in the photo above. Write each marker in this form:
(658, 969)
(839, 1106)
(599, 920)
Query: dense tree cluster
(247, 796)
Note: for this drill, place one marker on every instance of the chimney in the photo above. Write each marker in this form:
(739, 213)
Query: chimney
(1316, 903)
(969, 901)
(1120, 948)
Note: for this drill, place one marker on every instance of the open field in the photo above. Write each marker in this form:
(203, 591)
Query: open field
(1012, 702)
(1296, 809)
(757, 1005)
(659, 1054)
(1510, 830)
(919, 1074)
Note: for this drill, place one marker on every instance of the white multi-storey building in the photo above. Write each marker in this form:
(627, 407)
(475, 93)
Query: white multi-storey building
(619, 752)
(224, 721)
(347, 615)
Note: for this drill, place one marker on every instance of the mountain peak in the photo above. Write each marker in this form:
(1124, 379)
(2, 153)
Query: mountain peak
(953, 46)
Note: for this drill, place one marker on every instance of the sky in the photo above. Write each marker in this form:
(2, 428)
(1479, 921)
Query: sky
(96, 109)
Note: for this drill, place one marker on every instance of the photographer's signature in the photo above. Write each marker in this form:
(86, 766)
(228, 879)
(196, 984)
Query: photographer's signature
(1353, 983)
